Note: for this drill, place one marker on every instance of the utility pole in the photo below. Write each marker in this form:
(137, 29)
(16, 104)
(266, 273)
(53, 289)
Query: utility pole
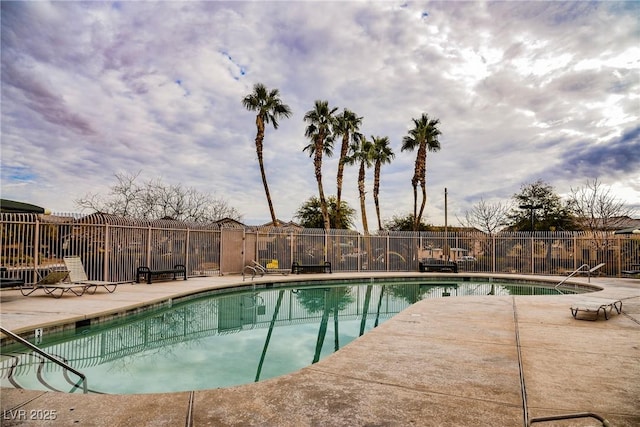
(446, 228)
(532, 208)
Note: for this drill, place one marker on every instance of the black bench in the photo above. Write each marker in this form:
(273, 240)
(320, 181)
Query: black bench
(434, 264)
(299, 268)
(147, 273)
(9, 282)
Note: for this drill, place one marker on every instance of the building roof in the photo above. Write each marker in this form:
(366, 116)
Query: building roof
(283, 224)
(616, 223)
(229, 223)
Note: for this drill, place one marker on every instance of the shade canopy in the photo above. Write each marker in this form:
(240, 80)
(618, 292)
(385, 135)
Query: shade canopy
(630, 230)
(19, 207)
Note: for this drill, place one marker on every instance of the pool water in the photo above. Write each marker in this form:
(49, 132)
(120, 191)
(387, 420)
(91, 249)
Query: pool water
(227, 339)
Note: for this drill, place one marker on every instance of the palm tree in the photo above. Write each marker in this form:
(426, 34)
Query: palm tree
(424, 137)
(347, 126)
(270, 108)
(320, 131)
(381, 154)
(361, 153)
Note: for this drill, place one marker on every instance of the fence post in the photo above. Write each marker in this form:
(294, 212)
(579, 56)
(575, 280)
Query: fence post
(326, 244)
(575, 252)
(291, 245)
(619, 246)
(387, 251)
(244, 247)
(221, 250)
(257, 248)
(107, 251)
(359, 262)
(533, 256)
(493, 255)
(187, 251)
(148, 254)
(36, 248)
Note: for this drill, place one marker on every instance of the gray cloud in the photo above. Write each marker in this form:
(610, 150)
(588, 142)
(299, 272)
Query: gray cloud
(619, 156)
(42, 99)
(524, 90)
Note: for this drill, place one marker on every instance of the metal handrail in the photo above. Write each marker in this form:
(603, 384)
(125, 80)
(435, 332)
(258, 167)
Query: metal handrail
(47, 356)
(576, 271)
(253, 271)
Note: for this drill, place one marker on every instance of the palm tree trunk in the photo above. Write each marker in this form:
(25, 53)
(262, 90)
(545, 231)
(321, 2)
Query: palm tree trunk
(274, 220)
(343, 154)
(414, 184)
(323, 201)
(259, 145)
(419, 178)
(376, 191)
(423, 186)
(363, 208)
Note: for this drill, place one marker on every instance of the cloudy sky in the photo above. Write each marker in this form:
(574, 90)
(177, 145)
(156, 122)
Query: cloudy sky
(523, 90)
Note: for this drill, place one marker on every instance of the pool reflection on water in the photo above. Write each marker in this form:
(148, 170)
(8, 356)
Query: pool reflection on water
(228, 339)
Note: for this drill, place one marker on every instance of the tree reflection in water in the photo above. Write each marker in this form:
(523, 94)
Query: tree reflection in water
(329, 300)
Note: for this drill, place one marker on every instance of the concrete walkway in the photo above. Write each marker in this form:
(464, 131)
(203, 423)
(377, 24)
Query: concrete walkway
(468, 361)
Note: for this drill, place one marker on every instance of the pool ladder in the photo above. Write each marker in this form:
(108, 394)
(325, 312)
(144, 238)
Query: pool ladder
(46, 355)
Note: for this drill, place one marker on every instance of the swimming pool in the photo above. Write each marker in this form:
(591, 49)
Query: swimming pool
(233, 338)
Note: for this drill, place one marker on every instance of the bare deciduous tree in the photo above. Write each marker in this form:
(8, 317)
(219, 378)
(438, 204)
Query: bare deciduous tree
(154, 199)
(486, 216)
(596, 208)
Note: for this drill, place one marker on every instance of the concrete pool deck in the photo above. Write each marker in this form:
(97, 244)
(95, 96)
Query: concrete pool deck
(468, 361)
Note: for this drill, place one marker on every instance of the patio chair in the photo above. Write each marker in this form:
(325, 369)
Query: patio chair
(271, 267)
(78, 275)
(586, 270)
(257, 269)
(593, 270)
(52, 284)
(634, 271)
(593, 306)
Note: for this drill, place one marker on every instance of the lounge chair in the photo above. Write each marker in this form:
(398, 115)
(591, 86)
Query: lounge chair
(634, 271)
(78, 275)
(631, 273)
(52, 284)
(593, 307)
(257, 269)
(592, 270)
(271, 268)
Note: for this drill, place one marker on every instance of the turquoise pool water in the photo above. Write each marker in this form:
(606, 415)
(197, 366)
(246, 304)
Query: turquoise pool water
(228, 339)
